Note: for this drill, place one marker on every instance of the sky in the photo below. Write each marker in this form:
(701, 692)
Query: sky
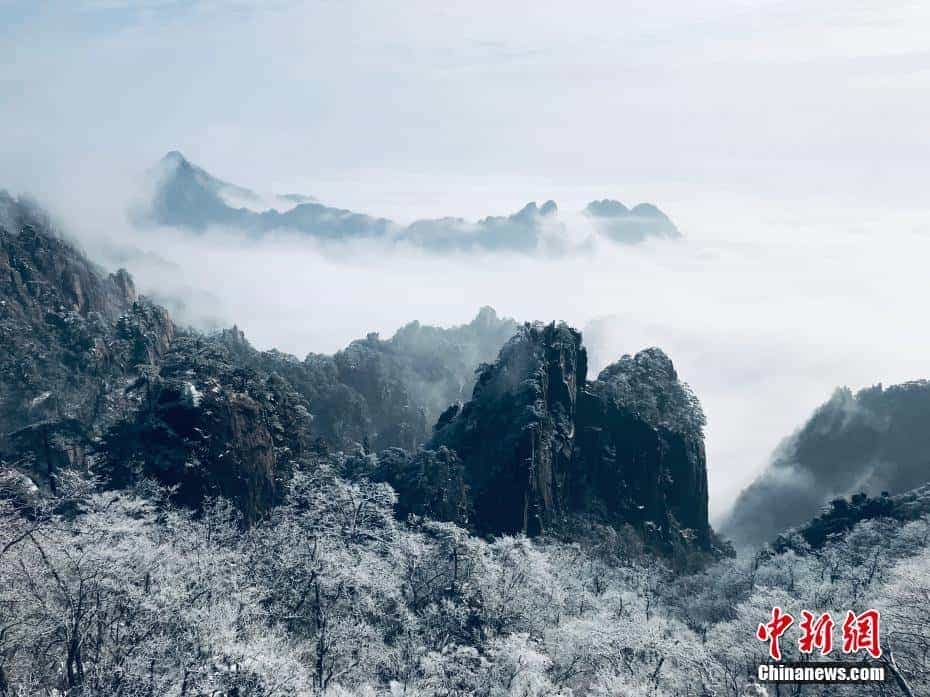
(787, 141)
(467, 108)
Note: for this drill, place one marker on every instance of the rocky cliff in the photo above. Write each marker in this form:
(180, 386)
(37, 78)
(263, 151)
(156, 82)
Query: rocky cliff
(70, 336)
(516, 435)
(641, 447)
(542, 447)
(95, 378)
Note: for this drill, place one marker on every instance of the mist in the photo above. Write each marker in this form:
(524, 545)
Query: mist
(763, 315)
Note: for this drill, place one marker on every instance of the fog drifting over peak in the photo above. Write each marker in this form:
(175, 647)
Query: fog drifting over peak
(763, 313)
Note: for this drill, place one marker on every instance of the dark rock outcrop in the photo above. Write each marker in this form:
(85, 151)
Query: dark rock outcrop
(429, 483)
(842, 514)
(46, 448)
(59, 349)
(211, 428)
(642, 445)
(516, 435)
(542, 447)
(95, 379)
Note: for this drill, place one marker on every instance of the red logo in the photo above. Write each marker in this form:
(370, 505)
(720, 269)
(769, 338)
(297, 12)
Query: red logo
(860, 632)
(817, 634)
(773, 630)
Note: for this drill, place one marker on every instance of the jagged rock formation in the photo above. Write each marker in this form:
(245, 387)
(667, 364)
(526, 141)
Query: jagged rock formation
(386, 392)
(541, 446)
(875, 440)
(516, 435)
(95, 378)
(69, 333)
(629, 226)
(211, 428)
(523, 230)
(185, 195)
(641, 446)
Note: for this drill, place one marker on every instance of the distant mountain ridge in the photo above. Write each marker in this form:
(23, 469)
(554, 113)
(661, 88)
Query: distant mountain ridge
(630, 225)
(187, 196)
(874, 440)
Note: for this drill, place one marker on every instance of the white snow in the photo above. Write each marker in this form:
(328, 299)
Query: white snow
(41, 398)
(194, 394)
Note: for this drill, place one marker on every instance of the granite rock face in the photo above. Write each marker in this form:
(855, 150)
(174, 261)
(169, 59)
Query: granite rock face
(94, 378)
(516, 435)
(641, 447)
(57, 314)
(62, 358)
(542, 447)
(211, 428)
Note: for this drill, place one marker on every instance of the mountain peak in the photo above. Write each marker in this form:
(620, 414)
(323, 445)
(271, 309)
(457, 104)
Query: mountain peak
(532, 210)
(649, 210)
(528, 211)
(549, 208)
(175, 157)
(630, 225)
(606, 208)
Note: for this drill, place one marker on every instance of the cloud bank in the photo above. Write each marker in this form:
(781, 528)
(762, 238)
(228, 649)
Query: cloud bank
(763, 315)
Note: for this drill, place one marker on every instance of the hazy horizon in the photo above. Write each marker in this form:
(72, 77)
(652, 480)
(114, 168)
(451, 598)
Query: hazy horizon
(364, 104)
(763, 325)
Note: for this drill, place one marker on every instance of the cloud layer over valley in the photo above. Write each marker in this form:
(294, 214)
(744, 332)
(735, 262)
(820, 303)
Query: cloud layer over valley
(763, 316)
